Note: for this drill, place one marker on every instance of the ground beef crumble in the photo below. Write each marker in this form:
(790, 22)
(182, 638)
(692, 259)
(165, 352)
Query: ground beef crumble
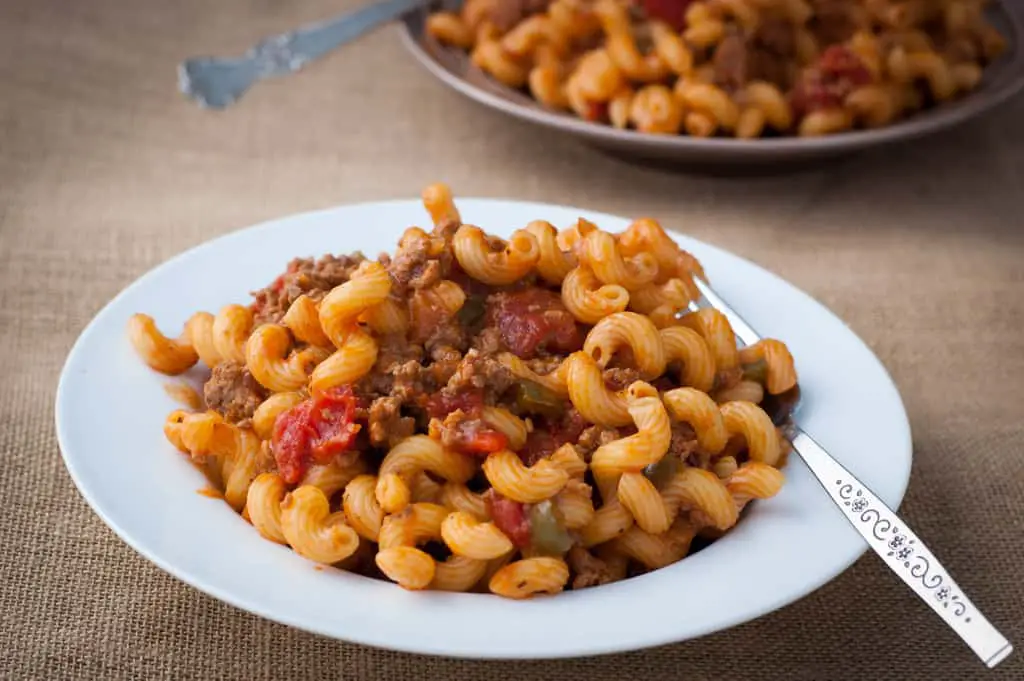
(232, 392)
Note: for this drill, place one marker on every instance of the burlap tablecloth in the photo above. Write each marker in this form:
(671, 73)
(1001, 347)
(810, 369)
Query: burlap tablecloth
(105, 171)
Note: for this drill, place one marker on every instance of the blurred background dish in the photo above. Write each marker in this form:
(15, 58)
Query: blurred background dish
(453, 66)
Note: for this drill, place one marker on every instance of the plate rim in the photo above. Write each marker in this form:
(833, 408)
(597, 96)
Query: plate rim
(942, 118)
(187, 576)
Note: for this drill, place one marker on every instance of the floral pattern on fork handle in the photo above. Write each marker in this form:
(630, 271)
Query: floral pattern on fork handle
(903, 551)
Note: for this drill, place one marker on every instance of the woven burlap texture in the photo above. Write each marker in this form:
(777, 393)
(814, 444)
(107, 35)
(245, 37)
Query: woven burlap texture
(106, 171)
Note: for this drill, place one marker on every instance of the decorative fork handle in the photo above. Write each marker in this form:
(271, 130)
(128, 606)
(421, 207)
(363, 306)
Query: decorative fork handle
(885, 533)
(216, 83)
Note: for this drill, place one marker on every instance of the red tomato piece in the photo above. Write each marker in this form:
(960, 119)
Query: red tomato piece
(533, 319)
(672, 12)
(317, 429)
(510, 517)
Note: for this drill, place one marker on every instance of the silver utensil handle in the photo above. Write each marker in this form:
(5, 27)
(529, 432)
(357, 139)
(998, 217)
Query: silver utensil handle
(885, 533)
(902, 551)
(218, 82)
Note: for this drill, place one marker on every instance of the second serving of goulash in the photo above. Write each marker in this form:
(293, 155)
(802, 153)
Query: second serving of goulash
(471, 413)
(731, 68)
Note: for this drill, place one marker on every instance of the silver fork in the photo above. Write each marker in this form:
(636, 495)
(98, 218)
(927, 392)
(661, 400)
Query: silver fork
(884, 531)
(217, 82)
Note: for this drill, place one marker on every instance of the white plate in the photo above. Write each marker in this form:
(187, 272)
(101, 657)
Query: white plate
(110, 411)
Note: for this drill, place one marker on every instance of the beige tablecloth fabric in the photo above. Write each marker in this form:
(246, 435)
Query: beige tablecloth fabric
(106, 171)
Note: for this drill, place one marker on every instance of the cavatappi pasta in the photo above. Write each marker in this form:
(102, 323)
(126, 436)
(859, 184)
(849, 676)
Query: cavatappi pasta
(736, 68)
(519, 417)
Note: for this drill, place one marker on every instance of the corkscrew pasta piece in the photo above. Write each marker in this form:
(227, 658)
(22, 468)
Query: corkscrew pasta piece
(398, 558)
(754, 480)
(360, 506)
(622, 47)
(553, 264)
(763, 105)
(312, 530)
(744, 391)
(425, 488)
(825, 122)
(272, 362)
(231, 454)
(392, 492)
(353, 359)
(303, 320)
(458, 574)
(654, 109)
(628, 330)
(588, 299)
(387, 317)
(701, 491)
(532, 32)
(686, 346)
(529, 577)
(671, 48)
(588, 393)
(554, 381)
(619, 108)
(162, 354)
(414, 455)
(496, 267)
(511, 478)
(437, 199)
(703, 28)
(231, 329)
(756, 427)
(263, 503)
(711, 102)
(332, 477)
(199, 334)
(704, 416)
(928, 66)
(609, 521)
(575, 505)
(780, 375)
(716, 331)
(448, 28)
(470, 538)
(457, 497)
(339, 309)
(600, 253)
(655, 551)
(641, 498)
(873, 106)
(492, 58)
(634, 452)
(508, 424)
(568, 459)
(546, 84)
(265, 416)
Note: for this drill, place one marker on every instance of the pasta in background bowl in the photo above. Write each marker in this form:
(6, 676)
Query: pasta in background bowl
(703, 81)
(522, 415)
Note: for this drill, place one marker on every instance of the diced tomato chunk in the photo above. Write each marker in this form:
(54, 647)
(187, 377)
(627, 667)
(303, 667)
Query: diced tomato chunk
(510, 517)
(546, 436)
(531, 320)
(672, 12)
(441, 404)
(316, 429)
(838, 72)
